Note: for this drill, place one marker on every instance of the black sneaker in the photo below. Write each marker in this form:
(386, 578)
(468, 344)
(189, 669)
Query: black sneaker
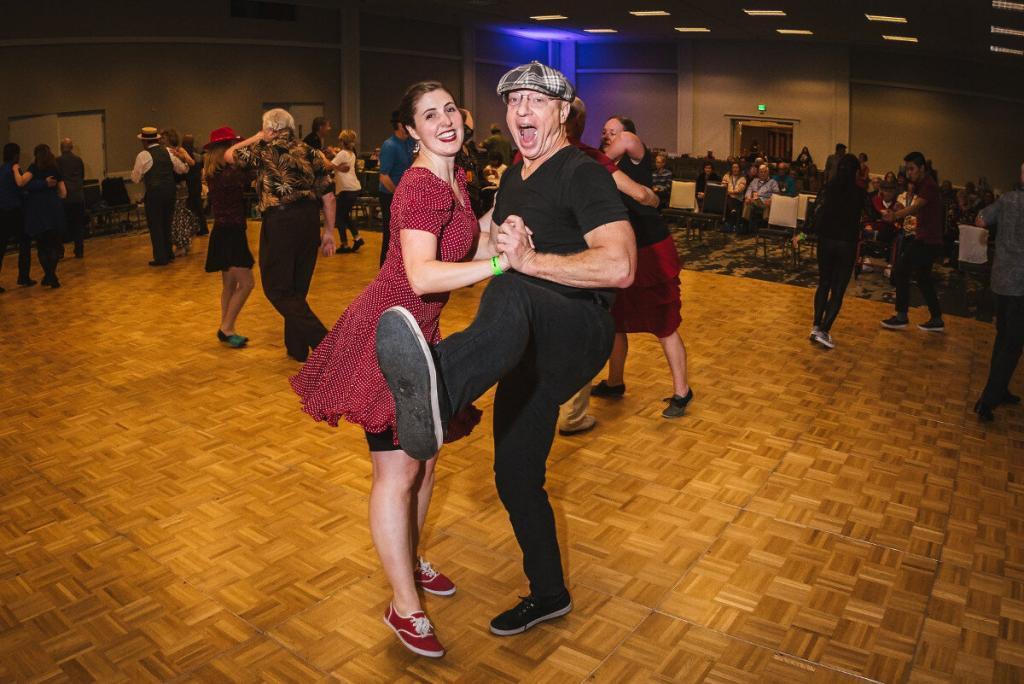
(359, 242)
(895, 323)
(984, 412)
(1011, 399)
(603, 389)
(530, 611)
(408, 367)
(26, 282)
(344, 249)
(932, 325)
(677, 405)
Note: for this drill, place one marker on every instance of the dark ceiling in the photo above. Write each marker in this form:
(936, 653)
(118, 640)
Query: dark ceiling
(953, 28)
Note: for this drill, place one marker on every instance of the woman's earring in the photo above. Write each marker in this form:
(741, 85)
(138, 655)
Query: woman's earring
(416, 147)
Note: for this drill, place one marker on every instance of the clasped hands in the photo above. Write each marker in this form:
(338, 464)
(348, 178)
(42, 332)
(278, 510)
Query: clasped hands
(515, 242)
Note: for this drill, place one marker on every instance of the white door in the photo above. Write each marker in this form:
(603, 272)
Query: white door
(86, 132)
(34, 130)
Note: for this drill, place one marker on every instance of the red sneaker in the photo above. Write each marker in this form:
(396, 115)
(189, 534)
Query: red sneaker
(430, 580)
(415, 632)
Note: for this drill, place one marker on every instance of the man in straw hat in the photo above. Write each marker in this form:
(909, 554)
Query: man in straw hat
(542, 331)
(155, 167)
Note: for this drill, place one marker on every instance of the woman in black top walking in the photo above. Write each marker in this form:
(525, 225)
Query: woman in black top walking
(837, 222)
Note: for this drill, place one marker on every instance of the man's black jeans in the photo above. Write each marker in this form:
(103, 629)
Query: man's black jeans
(12, 229)
(540, 346)
(915, 262)
(1007, 348)
(289, 241)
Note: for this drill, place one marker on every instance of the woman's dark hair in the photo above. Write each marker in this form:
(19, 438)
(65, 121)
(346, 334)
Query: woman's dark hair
(12, 152)
(44, 158)
(171, 136)
(407, 108)
(846, 173)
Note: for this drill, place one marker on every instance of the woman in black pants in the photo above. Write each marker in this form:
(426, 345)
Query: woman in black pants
(837, 222)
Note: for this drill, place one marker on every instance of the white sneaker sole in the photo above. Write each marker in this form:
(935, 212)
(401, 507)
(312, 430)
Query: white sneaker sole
(550, 616)
(435, 592)
(418, 651)
(934, 330)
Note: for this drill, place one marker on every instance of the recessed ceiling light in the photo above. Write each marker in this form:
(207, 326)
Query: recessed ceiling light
(649, 13)
(795, 32)
(1006, 50)
(901, 39)
(601, 30)
(548, 17)
(693, 29)
(1004, 4)
(765, 13)
(882, 17)
(1002, 30)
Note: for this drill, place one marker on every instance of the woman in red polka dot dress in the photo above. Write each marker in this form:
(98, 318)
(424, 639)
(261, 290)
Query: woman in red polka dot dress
(436, 247)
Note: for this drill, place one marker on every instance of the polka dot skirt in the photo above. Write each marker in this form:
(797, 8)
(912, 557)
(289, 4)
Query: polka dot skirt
(341, 378)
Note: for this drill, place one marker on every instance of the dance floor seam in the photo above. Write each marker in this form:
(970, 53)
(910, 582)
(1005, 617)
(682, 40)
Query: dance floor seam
(167, 513)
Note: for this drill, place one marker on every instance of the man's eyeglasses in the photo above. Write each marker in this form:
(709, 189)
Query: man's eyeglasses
(532, 100)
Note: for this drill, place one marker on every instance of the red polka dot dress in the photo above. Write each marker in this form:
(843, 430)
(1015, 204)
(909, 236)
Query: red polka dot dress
(341, 378)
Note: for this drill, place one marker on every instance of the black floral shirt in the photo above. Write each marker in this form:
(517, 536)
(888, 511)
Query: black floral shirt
(287, 170)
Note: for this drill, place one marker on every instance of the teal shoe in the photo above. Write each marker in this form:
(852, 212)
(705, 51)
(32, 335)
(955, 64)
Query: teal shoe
(237, 341)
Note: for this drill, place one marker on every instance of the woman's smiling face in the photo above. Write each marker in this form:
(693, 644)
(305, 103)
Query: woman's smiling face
(437, 123)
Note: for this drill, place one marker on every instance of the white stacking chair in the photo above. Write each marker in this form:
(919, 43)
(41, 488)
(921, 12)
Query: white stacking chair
(782, 217)
(684, 196)
(803, 198)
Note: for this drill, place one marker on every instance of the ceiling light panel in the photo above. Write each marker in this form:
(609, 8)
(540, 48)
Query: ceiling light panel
(649, 13)
(693, 29)
(882, 17)
(901, 39)
(765, 13)
(1005, 5)
(548, 17)
(795, 32)
(1003, 31)
(601, 30)
(1006, 50)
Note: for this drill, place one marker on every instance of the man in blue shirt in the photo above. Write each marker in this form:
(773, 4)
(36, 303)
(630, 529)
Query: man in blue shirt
(786, 182)
(395, 159)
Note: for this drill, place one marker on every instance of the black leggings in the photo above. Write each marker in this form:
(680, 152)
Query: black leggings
(540, 346)
(835, 266)
(343, 215)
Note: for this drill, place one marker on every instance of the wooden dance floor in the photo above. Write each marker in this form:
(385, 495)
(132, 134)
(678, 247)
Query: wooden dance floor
(168, 513)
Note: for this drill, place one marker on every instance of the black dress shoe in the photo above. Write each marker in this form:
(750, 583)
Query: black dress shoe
(158, 263)
(984, 412)
(26, 282)
(2, 289)
(1010, 399)
(359, 242)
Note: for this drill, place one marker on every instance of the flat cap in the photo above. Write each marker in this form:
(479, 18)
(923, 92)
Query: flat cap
(539, 77)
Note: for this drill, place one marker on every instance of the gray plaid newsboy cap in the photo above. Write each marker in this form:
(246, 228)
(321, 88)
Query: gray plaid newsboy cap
(539, 77)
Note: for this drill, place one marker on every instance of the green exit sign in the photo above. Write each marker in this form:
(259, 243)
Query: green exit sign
(762, 108)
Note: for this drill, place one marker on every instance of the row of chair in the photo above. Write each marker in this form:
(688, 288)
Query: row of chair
(784, 216)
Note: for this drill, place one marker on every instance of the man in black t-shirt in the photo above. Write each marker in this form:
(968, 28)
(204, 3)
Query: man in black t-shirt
(542, 331)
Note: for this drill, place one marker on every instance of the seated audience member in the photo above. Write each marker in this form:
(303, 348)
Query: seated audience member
(706, 174)
(710, 155)
(758, 197)
(947, 191)
(901, 183)
(736, 187)
(890, 177)
(804, 161)
(785, 181)
(873, 187)
(495, 167)
(661, 179)
(877, 228)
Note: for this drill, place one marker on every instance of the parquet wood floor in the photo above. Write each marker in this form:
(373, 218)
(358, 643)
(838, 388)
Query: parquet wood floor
(168, 513)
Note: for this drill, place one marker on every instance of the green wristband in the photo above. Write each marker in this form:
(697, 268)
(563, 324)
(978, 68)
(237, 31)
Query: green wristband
(496, 266)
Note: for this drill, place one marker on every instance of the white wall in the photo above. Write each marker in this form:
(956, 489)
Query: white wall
(966, 137)
(805, 82)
